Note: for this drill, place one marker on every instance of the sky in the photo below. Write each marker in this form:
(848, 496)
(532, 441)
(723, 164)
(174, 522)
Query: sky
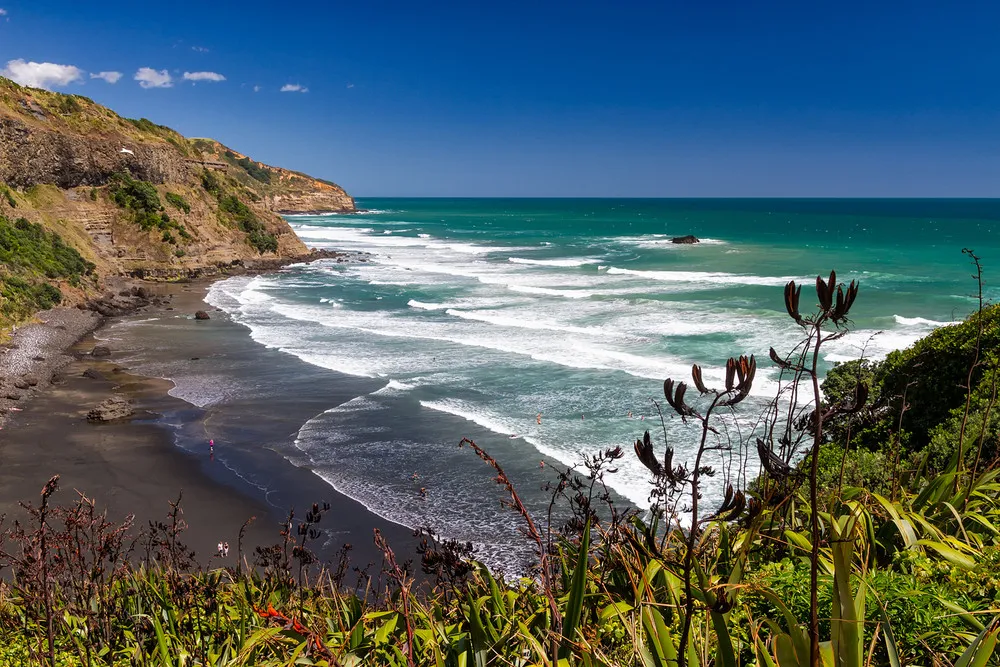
(529, 99)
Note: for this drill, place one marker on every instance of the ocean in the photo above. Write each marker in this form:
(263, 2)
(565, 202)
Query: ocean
(472, 317)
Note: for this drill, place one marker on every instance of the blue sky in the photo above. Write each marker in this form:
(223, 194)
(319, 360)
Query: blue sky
(553, 99)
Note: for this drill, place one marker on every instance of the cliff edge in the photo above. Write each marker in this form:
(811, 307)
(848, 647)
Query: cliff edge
(135, 198)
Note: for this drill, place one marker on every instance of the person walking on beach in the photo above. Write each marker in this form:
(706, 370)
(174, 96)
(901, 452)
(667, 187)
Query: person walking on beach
(211, 446)
(423, 493)
(225, 549)
(219, 547)
(539, 418)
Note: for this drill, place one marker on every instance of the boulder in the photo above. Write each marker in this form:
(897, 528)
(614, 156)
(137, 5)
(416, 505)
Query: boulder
(92, 374)
(31, 380)
(687, 240)
(115, 407)
(38, 358)
(14, 396)
(21, 383)
(201, 315)
(101, 351)
(58, 377)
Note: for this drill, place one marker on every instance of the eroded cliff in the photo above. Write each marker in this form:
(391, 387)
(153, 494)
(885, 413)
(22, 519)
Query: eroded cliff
(134, 197)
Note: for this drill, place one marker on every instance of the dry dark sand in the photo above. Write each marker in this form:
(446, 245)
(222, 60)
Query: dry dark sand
(133, 467)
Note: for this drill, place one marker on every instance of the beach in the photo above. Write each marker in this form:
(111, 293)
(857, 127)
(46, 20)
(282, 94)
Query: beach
(542, 330)
(137, 466)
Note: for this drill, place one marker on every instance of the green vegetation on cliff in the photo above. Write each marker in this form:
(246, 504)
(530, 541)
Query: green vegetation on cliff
(239, 213)
(30, 259)
(924, 401)
(254, 170)
(142, 200)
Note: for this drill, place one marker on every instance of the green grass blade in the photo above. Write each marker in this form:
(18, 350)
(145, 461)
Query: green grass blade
(578, 589)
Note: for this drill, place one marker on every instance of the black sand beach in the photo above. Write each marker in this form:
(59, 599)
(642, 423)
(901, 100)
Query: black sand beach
(138, 465)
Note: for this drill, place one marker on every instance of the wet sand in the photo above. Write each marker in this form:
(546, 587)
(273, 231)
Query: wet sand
(134, 466)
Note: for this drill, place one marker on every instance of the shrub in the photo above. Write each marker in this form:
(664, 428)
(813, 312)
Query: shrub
(31, 257)
(940, 365)
(211, 183)
(254, 170)
(9, 196)
(177, 202)
(67, 104)
(132, 194)
(247, 221)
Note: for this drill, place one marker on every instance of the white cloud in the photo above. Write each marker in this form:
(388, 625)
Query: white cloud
(203, 76)
(110, 77)
(151, 78)
(350, 85)
(256, 89)
(294, 88)
(199, 49)
(3, 12)
(41, 75)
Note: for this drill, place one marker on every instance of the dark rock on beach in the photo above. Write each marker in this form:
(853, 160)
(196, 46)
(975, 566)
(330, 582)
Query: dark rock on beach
(113, 408)
(21, 383)
(685, 240)
(201, 315)
(101, 351)
(92, 374)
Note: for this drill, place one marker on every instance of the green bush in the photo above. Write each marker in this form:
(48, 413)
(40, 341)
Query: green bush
(9, 196)
(933, 372)
(177, 202)
(255, 171)
(135, 195)
(67, 104)
(30, 257)
(247, 221)
(210, 182)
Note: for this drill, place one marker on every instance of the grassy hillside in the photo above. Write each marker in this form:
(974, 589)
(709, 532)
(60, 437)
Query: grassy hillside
(133, 197)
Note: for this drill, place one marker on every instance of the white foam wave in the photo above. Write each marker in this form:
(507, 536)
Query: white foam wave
(413, 303)
(704, 277)
(920, 321)
(567, 263)
(567, 293)
(489, 317)
(366, 238)
(395, 387)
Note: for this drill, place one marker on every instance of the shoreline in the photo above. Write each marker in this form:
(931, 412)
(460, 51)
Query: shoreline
(138, 465)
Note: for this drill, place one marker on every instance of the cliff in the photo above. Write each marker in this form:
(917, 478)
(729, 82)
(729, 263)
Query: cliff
(137, 198)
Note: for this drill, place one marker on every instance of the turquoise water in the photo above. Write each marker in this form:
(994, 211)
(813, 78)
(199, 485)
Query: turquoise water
(476, 315)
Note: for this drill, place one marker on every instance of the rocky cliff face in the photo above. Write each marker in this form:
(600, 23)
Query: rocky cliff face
(63, 159)
(33, 154)
(282, 190)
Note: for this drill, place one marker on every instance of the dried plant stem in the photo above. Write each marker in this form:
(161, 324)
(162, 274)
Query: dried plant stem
(536, 537)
